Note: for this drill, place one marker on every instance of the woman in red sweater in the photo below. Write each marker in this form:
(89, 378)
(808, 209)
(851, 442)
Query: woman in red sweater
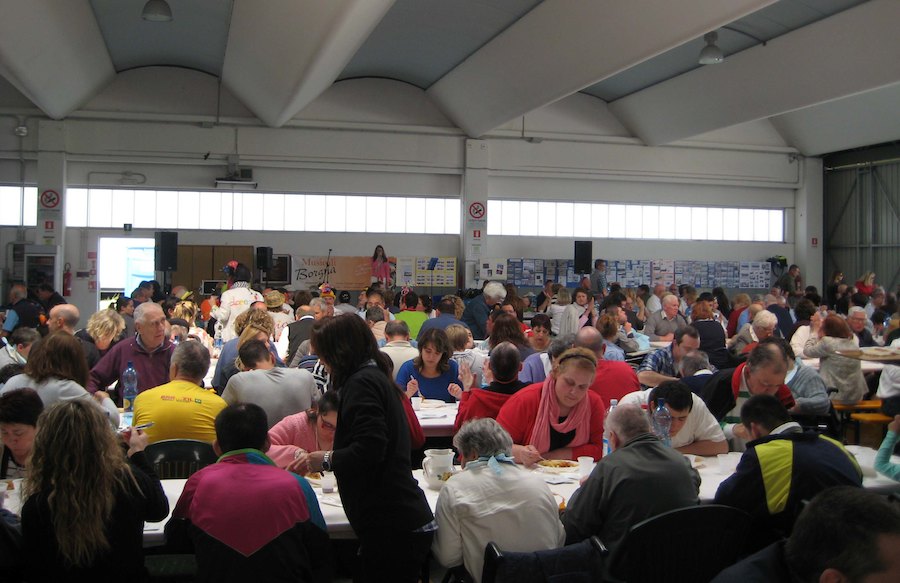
(866, 283)
(559, 418)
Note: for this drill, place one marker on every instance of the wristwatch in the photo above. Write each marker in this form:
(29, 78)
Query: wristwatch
(326, 461)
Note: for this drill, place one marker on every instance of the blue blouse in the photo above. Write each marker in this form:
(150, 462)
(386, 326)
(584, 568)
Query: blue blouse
(435, 388)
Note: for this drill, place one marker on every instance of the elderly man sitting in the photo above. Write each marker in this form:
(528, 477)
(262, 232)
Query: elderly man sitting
(149, 351)
(492, 499)
(639, 479)
(763, 326)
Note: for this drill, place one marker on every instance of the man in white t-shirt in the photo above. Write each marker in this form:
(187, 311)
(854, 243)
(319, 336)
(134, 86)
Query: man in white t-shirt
(694, 430)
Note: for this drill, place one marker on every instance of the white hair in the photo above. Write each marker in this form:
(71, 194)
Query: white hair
(143, 308)
(483, 436)
(495, 291)
(628, 421)
(764, 319)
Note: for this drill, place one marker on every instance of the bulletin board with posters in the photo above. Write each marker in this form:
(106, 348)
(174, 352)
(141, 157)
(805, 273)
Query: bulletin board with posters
(632, 272)
(442, 275)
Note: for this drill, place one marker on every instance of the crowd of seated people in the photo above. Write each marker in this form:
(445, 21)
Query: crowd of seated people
(546, 379)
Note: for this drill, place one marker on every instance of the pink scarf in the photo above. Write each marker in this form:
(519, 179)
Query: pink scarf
(579, 418)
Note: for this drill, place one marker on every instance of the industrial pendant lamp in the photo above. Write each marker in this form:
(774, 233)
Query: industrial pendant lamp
(711, 54)
(157, 11)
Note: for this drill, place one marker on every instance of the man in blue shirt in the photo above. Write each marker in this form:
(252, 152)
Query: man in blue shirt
(446, 316)
(662, 365)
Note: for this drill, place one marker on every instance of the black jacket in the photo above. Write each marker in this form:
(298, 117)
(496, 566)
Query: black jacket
(371, 458)
(124, 561)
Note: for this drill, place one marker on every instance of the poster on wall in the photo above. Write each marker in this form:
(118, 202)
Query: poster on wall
(443, 274)
(406, 271)
(351, 273)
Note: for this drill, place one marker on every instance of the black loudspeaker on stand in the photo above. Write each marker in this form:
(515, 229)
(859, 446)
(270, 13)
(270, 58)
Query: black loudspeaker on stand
(583, 253)
(166, 254)
(264, 258)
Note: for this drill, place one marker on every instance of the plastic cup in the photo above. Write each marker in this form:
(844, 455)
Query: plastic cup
(585, 465)
(328, 482)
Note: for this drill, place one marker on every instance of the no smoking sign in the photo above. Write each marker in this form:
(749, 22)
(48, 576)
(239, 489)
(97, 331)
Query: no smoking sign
(476, 210)
(50, 199)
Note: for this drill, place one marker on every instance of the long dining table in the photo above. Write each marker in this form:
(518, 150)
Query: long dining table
(563, 485)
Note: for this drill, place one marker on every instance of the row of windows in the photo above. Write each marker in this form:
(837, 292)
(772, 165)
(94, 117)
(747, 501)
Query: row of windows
(240, 211)
(261, 211)
(631, 221)
(13, 200)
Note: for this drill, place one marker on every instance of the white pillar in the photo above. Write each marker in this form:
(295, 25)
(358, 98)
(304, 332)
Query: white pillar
(809, 224)
(51, 182)
(474, 208)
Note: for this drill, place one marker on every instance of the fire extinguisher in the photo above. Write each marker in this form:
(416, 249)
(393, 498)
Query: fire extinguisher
(67, 280)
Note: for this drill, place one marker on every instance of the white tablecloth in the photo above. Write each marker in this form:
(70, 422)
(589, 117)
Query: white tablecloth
(339, 527)
(867, 365)
(438, 421)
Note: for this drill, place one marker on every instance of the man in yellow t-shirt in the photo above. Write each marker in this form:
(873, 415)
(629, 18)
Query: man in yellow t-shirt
(181, 409)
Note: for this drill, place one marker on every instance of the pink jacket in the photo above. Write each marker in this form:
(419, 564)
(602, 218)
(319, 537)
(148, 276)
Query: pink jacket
(290, 434)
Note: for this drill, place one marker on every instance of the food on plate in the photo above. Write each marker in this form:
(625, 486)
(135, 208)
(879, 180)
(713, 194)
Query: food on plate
(314, 476)
(10, 485)
(557, 464)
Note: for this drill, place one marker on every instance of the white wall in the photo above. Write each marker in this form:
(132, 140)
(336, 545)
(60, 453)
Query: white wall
(378, 136)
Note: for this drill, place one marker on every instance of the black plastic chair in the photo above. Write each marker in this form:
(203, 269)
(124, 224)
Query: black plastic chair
(179, 458)
(578, 563)
(829, 424)
(689, 544)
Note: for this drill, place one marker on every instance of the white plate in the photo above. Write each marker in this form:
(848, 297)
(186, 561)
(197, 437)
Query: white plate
(430, 415)
(432, 403)
(562, 470)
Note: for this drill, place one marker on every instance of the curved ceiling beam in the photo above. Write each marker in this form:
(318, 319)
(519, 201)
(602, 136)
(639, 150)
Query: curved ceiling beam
(53, 53)
(851, 52)
(563, 46)
(283, 55)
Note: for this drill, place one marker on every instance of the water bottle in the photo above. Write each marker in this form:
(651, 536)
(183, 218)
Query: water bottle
(217, 341)
(606, 448)
(662, 422)
(129, 387)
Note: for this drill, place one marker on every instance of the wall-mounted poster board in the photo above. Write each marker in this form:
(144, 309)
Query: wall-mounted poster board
(632, 272)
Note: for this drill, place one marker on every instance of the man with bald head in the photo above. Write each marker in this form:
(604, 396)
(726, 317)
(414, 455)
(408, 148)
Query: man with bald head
(654, 302)
(64, 318)
(728, 390)
(661, 326)
(22, 312)
(614, 378)
(150, 352)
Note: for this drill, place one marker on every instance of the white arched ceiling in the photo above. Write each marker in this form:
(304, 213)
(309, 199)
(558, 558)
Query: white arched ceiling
(562, 47)
(826, 80)
(855, 51)
(53, 53)
(282, 54)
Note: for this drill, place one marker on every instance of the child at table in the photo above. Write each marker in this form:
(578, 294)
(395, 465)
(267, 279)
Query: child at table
(883, 463)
